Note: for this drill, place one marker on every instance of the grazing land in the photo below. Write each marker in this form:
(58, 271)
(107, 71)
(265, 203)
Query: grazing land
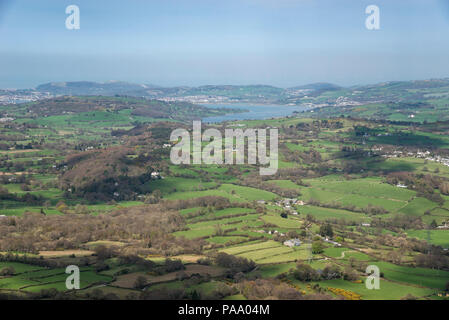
(88, 181)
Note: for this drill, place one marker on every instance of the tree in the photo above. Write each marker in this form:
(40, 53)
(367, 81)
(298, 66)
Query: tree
(326, 230)
(237, 264)
(81, 209)
(7, 271)
(173, 265)
(157, 194)
(444, 188)
(433, 224)
(61, 206)
(310, 218)
(195, 295)
(350, 274)
(305, 272)
(317, 247)
(219, 230)
(103, 252)
(140, 282)
(331, 272)
(292, 234)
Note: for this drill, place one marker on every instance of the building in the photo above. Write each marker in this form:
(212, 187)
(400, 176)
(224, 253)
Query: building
(155, 175)
(332, 242)
(366, 225)
(292, 243)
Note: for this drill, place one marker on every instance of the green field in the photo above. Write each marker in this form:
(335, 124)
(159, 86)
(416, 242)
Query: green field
(437, 237)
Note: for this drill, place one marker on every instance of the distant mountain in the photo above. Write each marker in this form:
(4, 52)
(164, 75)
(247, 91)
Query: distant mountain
(92, 88)
(321, 93)
(223, 93)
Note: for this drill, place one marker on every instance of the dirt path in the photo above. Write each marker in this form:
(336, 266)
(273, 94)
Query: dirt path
(343, 253)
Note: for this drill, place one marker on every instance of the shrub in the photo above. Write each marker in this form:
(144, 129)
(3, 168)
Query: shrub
(304, 272)
(7, 271)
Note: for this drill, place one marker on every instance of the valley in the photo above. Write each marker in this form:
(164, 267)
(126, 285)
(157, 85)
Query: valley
(87, 181)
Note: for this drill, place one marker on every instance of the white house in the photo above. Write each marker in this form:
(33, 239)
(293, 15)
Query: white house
(292, 243)
(332, 242)
(366, 225)
(155, 175)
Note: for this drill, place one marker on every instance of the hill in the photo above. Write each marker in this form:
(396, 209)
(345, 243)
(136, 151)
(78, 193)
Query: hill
(109, 88)
(125, 108)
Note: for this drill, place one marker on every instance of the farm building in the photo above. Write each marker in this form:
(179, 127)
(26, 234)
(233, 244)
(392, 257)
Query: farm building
(332, 242)
(156, 175)
(366, 225)
(292, 243)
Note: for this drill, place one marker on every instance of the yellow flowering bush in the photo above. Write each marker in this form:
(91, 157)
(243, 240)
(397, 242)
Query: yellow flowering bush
(349, 295)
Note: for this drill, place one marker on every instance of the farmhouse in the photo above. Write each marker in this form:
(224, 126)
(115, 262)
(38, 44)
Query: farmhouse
(155, 175)
(292, 243)
(366, 225)
(287, 201)
(332, 242)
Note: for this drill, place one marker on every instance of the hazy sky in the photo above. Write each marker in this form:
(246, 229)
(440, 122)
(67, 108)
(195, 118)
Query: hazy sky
(194, 42)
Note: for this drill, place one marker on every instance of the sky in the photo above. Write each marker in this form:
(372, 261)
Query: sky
(283, 43)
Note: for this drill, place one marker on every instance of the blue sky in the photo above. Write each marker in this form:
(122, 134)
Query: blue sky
(194, 42)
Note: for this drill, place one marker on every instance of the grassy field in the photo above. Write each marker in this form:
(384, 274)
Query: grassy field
(437, 237)
(35, 279)
(388, 290)
(270, 252)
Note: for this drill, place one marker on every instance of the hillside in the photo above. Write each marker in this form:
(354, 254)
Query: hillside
(82, 88)
(350, 193)
(415, 101)
(110, 108)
